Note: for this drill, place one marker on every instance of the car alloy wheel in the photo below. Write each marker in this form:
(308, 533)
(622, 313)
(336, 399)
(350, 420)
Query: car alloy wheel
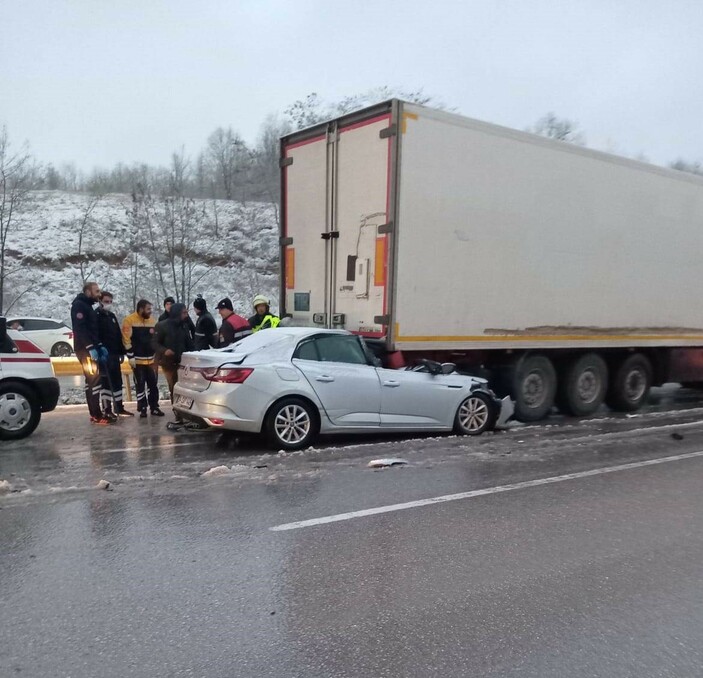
(475, 415)
(291, 424)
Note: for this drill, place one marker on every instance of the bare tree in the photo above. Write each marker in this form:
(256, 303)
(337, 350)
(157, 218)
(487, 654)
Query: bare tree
(229, 157)
(85, 229)
(313, 109)
(561, 129)
(18, 176)
(687, 166)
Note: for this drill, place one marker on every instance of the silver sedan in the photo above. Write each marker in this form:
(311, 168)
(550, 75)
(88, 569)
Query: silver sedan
(292, 384)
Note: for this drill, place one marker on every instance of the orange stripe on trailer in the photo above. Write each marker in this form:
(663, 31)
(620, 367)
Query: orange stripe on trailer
(379, 273)
(290, 268)
(404, 123)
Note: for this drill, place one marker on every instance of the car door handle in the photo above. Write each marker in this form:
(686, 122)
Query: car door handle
(391, 384)
(324, 378)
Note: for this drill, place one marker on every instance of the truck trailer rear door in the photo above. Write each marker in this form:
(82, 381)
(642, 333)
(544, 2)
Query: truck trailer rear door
(336, 224)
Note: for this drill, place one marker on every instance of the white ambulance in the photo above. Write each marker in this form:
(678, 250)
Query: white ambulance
(28, 386)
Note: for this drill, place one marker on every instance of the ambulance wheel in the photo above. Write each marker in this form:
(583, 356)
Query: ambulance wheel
(20, 411)
(61, 350)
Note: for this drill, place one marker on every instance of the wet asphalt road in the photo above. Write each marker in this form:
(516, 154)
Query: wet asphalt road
(178, 574)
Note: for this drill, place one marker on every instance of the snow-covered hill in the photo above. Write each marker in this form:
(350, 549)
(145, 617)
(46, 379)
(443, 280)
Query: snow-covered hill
(241, 262)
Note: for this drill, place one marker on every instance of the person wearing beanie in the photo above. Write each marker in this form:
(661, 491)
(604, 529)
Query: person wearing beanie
(262, 318)
(205, 327)
(234, 328)
(168, 302)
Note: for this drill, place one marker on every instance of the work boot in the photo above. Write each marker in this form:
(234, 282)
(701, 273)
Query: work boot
(122, 412)
(156, 412)
(112, 418)
(101, 420)
(142, 414)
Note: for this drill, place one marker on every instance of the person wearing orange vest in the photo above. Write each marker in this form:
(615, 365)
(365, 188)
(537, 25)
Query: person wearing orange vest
(234, 328)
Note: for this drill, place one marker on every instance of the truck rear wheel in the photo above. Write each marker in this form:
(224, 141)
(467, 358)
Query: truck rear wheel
(534, 387)
(629, 387)
(583, 385)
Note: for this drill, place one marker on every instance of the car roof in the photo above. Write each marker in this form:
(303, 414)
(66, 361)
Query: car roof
(31, 317)
(303, 331)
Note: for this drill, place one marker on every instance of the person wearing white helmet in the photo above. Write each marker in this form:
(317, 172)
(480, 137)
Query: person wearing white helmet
(263, 318)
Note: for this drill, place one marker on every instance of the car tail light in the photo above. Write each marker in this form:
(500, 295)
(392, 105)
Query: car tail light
(227, 375)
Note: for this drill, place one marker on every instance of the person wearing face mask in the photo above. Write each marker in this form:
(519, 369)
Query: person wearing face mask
(88, 347)
(137, 335)
(110, 334)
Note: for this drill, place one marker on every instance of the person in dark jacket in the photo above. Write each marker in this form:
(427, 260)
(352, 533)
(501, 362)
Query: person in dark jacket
(110, 334)
(88, 347)
(171, 340)
(263, 319)
(234, 328)
(205, 327)
(168, 303)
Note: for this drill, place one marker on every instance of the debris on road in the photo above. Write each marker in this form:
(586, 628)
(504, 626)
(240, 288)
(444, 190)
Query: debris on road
(677, 436)
(103, 485)
(5, 486)
(217, 471)
(385, 463)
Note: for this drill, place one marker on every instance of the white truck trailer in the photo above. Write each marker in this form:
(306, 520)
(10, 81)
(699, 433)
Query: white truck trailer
(565, 275)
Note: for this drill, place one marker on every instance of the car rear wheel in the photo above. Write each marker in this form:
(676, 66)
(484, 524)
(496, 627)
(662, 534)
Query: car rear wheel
(19, 411)
(61, 350)
(475, 415)
(291, 424)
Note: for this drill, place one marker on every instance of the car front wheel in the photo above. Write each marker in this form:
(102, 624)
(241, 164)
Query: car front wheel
(475, 415)
(19, 411)
(291, 424)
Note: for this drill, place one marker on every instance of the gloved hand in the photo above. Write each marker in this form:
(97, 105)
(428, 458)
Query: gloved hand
(102, 354)
(93, 352)
(133, 363)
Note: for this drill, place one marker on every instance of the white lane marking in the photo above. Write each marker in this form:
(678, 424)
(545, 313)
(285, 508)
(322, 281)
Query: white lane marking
(481, 493)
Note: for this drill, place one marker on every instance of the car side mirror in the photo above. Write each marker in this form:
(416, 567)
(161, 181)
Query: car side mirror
(448, 368)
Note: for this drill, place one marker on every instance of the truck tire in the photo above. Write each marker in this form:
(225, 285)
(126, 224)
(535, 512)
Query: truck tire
(583, 385)
(534, 387)
(629, 386)
(20, 411)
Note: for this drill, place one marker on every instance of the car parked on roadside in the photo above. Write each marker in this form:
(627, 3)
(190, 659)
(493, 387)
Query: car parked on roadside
(28, 386)
(292, 384)
(54, 337)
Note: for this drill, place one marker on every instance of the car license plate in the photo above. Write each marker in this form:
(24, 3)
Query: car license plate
(184, 401)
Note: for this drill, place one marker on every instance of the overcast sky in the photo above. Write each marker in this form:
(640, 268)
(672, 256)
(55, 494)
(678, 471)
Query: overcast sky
(101, 81)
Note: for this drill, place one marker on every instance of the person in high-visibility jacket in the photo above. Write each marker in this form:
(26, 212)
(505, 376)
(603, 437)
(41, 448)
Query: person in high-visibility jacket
(263, 318)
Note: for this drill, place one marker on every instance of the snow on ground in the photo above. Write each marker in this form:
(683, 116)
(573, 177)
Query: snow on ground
(45, 245)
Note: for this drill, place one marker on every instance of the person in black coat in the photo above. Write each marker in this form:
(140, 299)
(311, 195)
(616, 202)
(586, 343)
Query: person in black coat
(88, 347)
(110, 334)
(168, 304)
(205, 327)
(172, 339)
